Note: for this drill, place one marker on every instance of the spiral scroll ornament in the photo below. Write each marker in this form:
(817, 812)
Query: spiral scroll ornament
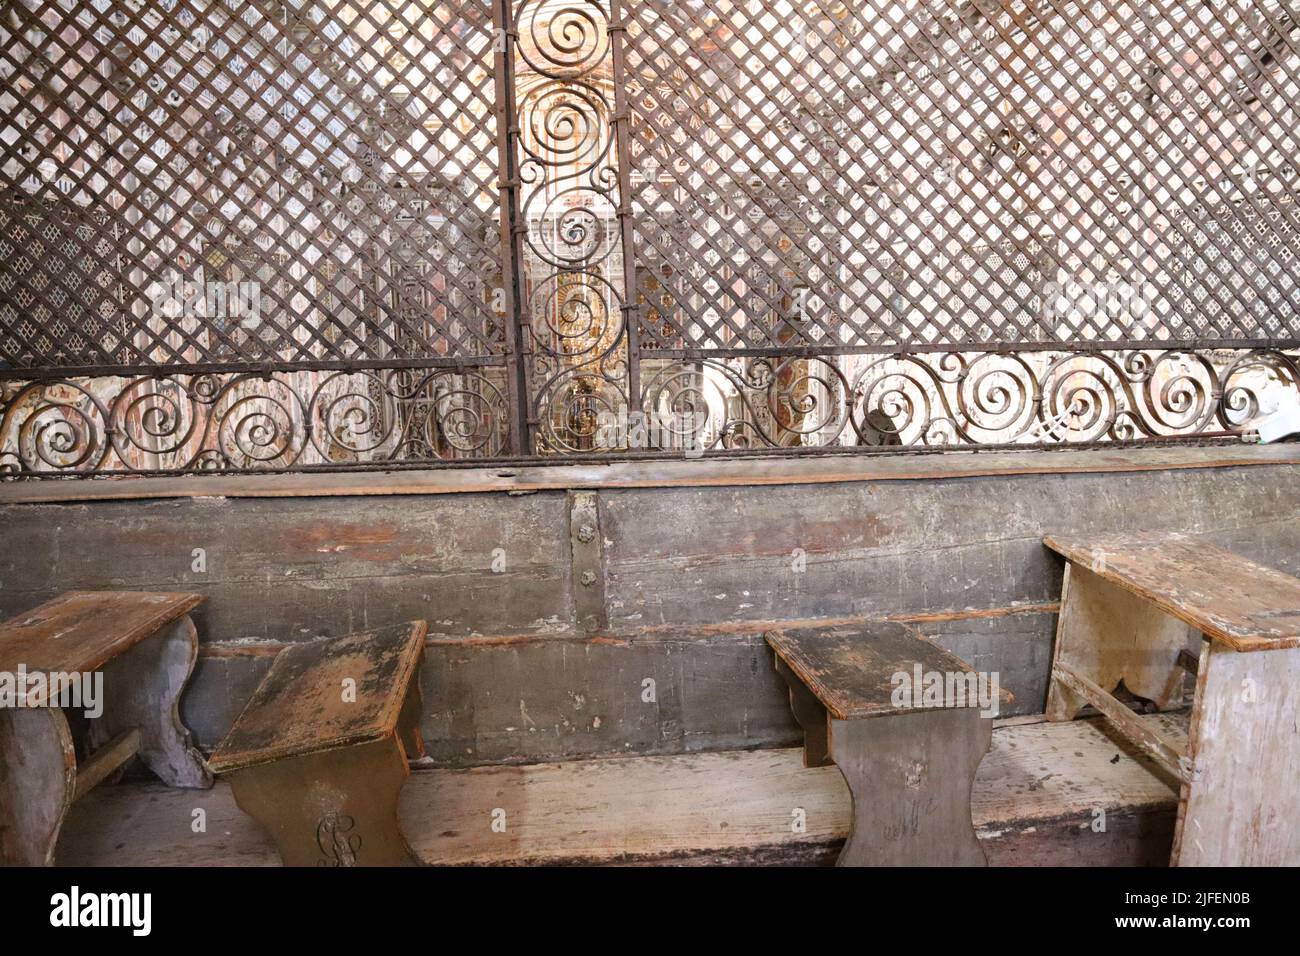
(562, 41)
(236, 422)
(975, 399)
(574, 247)
(360, 419)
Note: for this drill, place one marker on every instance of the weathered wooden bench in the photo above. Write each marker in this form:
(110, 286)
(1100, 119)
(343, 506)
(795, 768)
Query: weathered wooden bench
(909, 768)
(144, 645)
(1148, 611)
(320, 752)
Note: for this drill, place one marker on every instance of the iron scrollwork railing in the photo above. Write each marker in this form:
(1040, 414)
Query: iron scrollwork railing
(962, 399)
(249, 422)
(242, 235)
(575, 248)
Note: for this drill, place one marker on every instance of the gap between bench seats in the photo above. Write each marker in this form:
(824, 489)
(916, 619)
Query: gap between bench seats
(1035, 801)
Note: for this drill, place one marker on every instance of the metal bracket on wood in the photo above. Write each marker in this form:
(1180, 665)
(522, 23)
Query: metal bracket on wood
(588, 554)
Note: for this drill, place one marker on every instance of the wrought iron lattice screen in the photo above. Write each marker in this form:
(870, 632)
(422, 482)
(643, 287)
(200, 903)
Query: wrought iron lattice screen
(341, 156)
(244, 234)
(909, 175)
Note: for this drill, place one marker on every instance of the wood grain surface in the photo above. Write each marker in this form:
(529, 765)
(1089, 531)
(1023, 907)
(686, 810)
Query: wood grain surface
(1035, 800)
(852, 670)
(1231, 599)
(301, 707)
(84, 630)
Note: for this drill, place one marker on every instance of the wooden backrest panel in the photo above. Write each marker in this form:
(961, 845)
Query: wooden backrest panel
(300, 707)
(1231, 599)
(84, 630)
(851, 670)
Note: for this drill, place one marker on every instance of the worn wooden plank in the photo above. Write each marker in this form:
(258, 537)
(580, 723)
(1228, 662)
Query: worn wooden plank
(1064, 794)
(303, 706)
(1015, 644)
(1231, 599)
(655, 473)
(811, 716)
(142, 690)
(879, 549)
(1274, 542)
(38, 771)
(552, 698)
(298, 570)
(1239, 806)
(529, 698)
(852, 670)
(911, 781)
(330, 808)
(494, 698)
(83, 630)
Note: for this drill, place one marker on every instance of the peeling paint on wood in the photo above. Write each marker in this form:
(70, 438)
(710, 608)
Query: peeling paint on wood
(1230, 599)
(325, 694)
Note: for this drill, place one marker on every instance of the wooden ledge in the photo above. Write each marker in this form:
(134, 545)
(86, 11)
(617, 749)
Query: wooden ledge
(628, 635)
(658, 473)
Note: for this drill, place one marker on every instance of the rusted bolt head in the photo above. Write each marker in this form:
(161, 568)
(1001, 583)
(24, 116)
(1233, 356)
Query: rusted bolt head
(586, 533)
(588, 578)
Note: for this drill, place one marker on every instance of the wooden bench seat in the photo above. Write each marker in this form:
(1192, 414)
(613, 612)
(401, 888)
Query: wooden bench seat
(909, 762)
(1149, 611)
(1034, 803)
(143, 647)
(321, 750)
(1230, 599)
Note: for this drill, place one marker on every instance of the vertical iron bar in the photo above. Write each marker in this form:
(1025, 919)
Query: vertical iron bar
(623, 143)
(521, 439)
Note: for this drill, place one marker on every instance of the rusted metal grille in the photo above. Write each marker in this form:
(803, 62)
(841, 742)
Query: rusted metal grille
(161, 160)
(882, 174)
(245, 234)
